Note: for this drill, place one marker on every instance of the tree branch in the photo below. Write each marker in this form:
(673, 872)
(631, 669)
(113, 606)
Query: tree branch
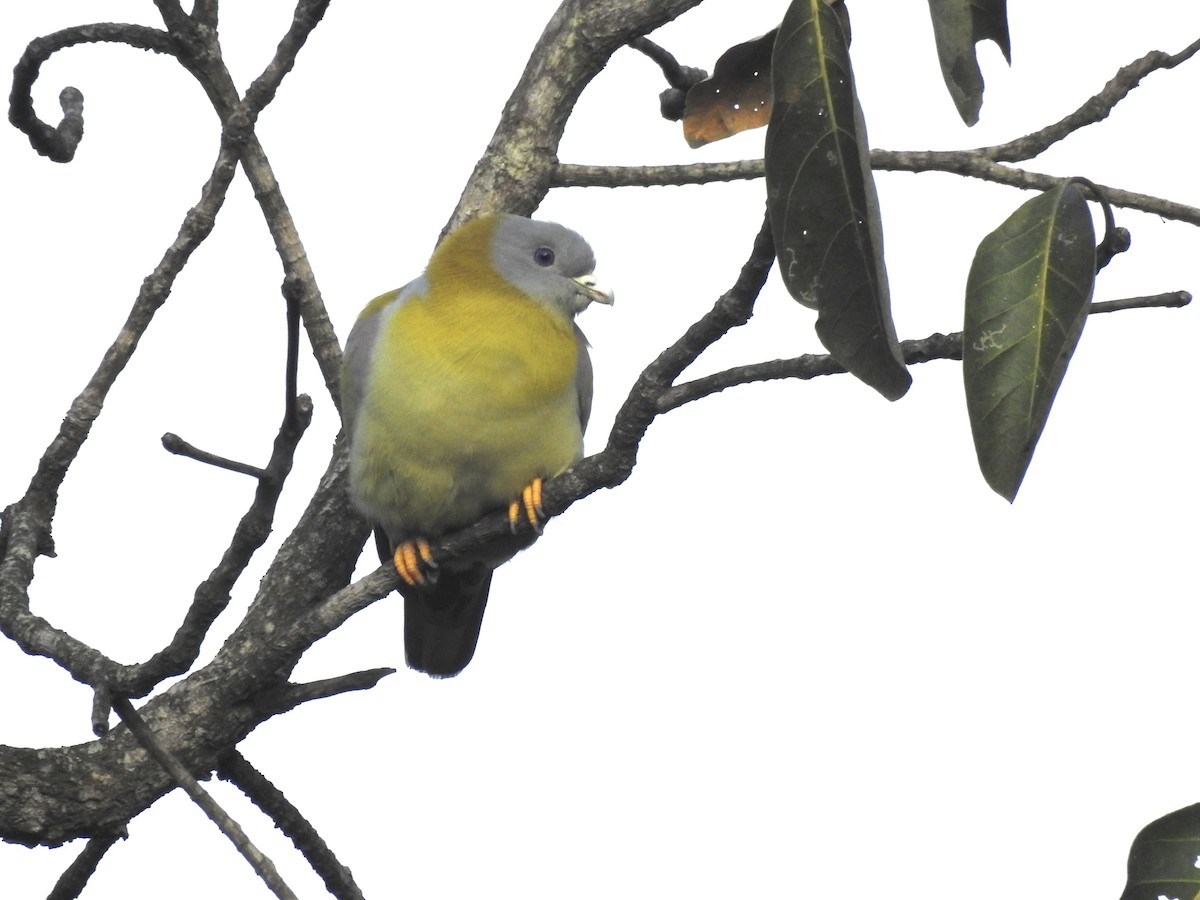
(605, 469)
(94, 789)
(238, 771)
(815, 365)
(55, 794)
(983, 163)
(72, 882)
(60, 142)
(232, 830)
(1094, 110)
(515, 171)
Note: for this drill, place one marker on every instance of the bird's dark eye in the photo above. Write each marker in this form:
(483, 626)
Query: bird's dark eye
(543, 256)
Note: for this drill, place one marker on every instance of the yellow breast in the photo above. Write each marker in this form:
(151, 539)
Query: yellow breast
(472, 395)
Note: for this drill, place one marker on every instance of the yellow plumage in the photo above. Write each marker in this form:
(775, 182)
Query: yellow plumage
(466, 385)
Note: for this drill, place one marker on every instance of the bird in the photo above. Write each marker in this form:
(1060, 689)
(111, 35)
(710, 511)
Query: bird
(461, 392)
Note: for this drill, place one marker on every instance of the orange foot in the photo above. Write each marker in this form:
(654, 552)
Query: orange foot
(530, 504)
(414, 562)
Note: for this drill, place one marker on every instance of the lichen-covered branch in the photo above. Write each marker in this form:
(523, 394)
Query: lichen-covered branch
(53, 795)
(516, 169)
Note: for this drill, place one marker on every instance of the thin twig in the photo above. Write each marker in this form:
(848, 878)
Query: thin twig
(574, 175)
(29, 528)
(29, 520)
(60, 142)
(815, 365)
(678, 76)
(293, 296)
(1170, 300)
(973, 164)
(173, 443)
(232, 830)
(969, 163)
(101, 708)
(1094, 110)
(212, 595)
(238, 771)
(76, 876)
(289, 696)
(673, 101)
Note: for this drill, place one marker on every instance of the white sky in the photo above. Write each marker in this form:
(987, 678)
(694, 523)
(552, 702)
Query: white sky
(804, 651)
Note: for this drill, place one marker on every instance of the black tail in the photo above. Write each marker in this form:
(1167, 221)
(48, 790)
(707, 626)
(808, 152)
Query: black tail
(441, 621)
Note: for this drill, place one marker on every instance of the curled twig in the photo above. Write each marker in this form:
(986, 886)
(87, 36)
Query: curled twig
(678, 76)
(672, 101)
(60, 142)
(28, 523)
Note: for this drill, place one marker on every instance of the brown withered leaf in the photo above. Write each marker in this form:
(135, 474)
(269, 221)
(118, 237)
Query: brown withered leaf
(736, 97)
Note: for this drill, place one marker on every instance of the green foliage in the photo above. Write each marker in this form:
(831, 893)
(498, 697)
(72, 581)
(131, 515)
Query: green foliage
(958, 25)
(1162, 860)
(1027, 300)
(822, 201)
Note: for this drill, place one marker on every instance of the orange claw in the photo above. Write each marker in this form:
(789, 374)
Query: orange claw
(531, 504)
(414, 562)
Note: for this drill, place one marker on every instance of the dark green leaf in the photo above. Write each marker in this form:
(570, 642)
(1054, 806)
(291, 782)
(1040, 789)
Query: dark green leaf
(1163, 858)
(958, 25)
(822, 201)
(1027, 301)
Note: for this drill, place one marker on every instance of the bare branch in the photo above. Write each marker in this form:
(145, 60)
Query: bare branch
(970, 163)
(815, 365)
(60, 142)
(1170, 300)
(572, 175)
(673, 101)
(27, 523)
(232, 830)
(679, 77)
(72, 882)
(1096, 109)
(338, 879)
(173, 443)
(976, 165)
(292, 695)
(56, 794)
(515, 171)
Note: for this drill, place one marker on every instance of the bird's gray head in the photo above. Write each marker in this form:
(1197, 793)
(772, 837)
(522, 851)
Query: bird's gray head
(547, 261)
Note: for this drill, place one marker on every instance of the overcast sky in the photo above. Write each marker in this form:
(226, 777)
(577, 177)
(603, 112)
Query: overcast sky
(804, 651)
